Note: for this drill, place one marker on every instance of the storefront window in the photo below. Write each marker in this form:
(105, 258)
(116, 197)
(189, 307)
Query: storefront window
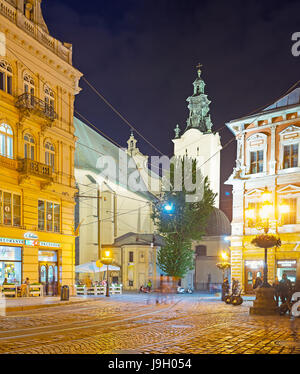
(10, 264)
(289, 267)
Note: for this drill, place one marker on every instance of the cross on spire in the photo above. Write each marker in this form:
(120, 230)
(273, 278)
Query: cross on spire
(199, 66)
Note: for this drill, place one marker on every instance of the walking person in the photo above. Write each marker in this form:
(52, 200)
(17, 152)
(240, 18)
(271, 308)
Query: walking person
(257, 283)
(285, 288)
(276, 287)
(149, 285)
(225, 288)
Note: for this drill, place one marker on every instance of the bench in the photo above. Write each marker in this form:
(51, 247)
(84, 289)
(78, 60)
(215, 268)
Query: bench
(115, 289)
(9, 290)
(80, 290)
(36, 290)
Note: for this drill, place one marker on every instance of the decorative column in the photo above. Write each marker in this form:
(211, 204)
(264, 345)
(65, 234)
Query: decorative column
(272, 163)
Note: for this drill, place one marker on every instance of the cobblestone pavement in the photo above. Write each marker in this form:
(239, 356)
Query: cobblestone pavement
(135, 323)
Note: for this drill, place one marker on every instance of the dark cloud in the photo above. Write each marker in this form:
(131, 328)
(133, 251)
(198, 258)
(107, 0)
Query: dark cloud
(141, 54)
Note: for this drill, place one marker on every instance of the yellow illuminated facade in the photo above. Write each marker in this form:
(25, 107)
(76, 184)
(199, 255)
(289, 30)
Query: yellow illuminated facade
(37, 88)
(266, 186)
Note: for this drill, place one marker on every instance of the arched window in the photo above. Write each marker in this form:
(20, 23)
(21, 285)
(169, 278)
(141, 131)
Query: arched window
(29, 146)
(5, 77)
(29, 88)
(6, 141)
(49, 155)
(49, 99)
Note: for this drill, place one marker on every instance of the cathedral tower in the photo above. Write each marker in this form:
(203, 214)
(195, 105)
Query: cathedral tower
(198, 140)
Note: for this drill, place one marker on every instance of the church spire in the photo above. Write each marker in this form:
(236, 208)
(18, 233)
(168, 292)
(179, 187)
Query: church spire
(199, 117)
(131, 142)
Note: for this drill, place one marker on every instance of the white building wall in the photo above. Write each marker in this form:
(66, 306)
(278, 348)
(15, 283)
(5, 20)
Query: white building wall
(206, 149)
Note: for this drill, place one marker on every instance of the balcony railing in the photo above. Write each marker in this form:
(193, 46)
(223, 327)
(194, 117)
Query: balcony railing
(34, 104)
(31, 167)
(9, 11)
(8, 162)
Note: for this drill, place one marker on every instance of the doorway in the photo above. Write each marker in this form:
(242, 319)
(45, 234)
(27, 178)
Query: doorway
(253, 269)
(48, 277)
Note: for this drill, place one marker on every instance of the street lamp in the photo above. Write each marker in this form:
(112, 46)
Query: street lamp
(107, 259)
(168, 208)
(261, 220)
(223, 265)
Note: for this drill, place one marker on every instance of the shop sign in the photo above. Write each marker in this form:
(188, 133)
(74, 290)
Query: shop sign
(254, 264)
(11, 241)
(30, 235)
(287, 263)
(49, 244)
(31, 243)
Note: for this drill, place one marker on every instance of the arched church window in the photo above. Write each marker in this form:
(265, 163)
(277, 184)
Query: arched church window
(5, 77)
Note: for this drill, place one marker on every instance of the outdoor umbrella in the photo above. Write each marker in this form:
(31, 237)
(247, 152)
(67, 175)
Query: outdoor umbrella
(110, 267)
(89, 267)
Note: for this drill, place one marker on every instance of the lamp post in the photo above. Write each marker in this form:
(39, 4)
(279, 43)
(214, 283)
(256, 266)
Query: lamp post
(223, 265)
(107, 259)
(261, 220)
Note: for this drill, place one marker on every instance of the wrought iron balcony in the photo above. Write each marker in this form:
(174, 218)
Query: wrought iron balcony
(29, 102)
(29, 167)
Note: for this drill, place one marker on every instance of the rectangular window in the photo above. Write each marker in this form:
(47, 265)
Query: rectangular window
(201, 250)
(130, 256)
(2, 81)
(290, 156)
(256, 206)
(48, 216)
(256, 162)
(290, 218)
(9, 85)
(10, 209)
(56, 213)
(7, 208)
(1, 208)
(41, 215)
(2, 145)
(16, 210)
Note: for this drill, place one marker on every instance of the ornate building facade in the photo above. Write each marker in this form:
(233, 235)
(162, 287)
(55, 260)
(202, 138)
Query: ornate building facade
(37, 88)
(268, 155)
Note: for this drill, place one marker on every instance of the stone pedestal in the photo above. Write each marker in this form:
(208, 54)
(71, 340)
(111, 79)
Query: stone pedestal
(265, 303)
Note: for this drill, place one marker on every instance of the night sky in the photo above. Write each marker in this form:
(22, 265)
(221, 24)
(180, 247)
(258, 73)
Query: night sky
(141, 55)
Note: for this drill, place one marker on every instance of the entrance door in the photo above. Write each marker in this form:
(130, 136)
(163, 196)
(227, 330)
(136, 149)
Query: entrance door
(250, 276)
(48, 277)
